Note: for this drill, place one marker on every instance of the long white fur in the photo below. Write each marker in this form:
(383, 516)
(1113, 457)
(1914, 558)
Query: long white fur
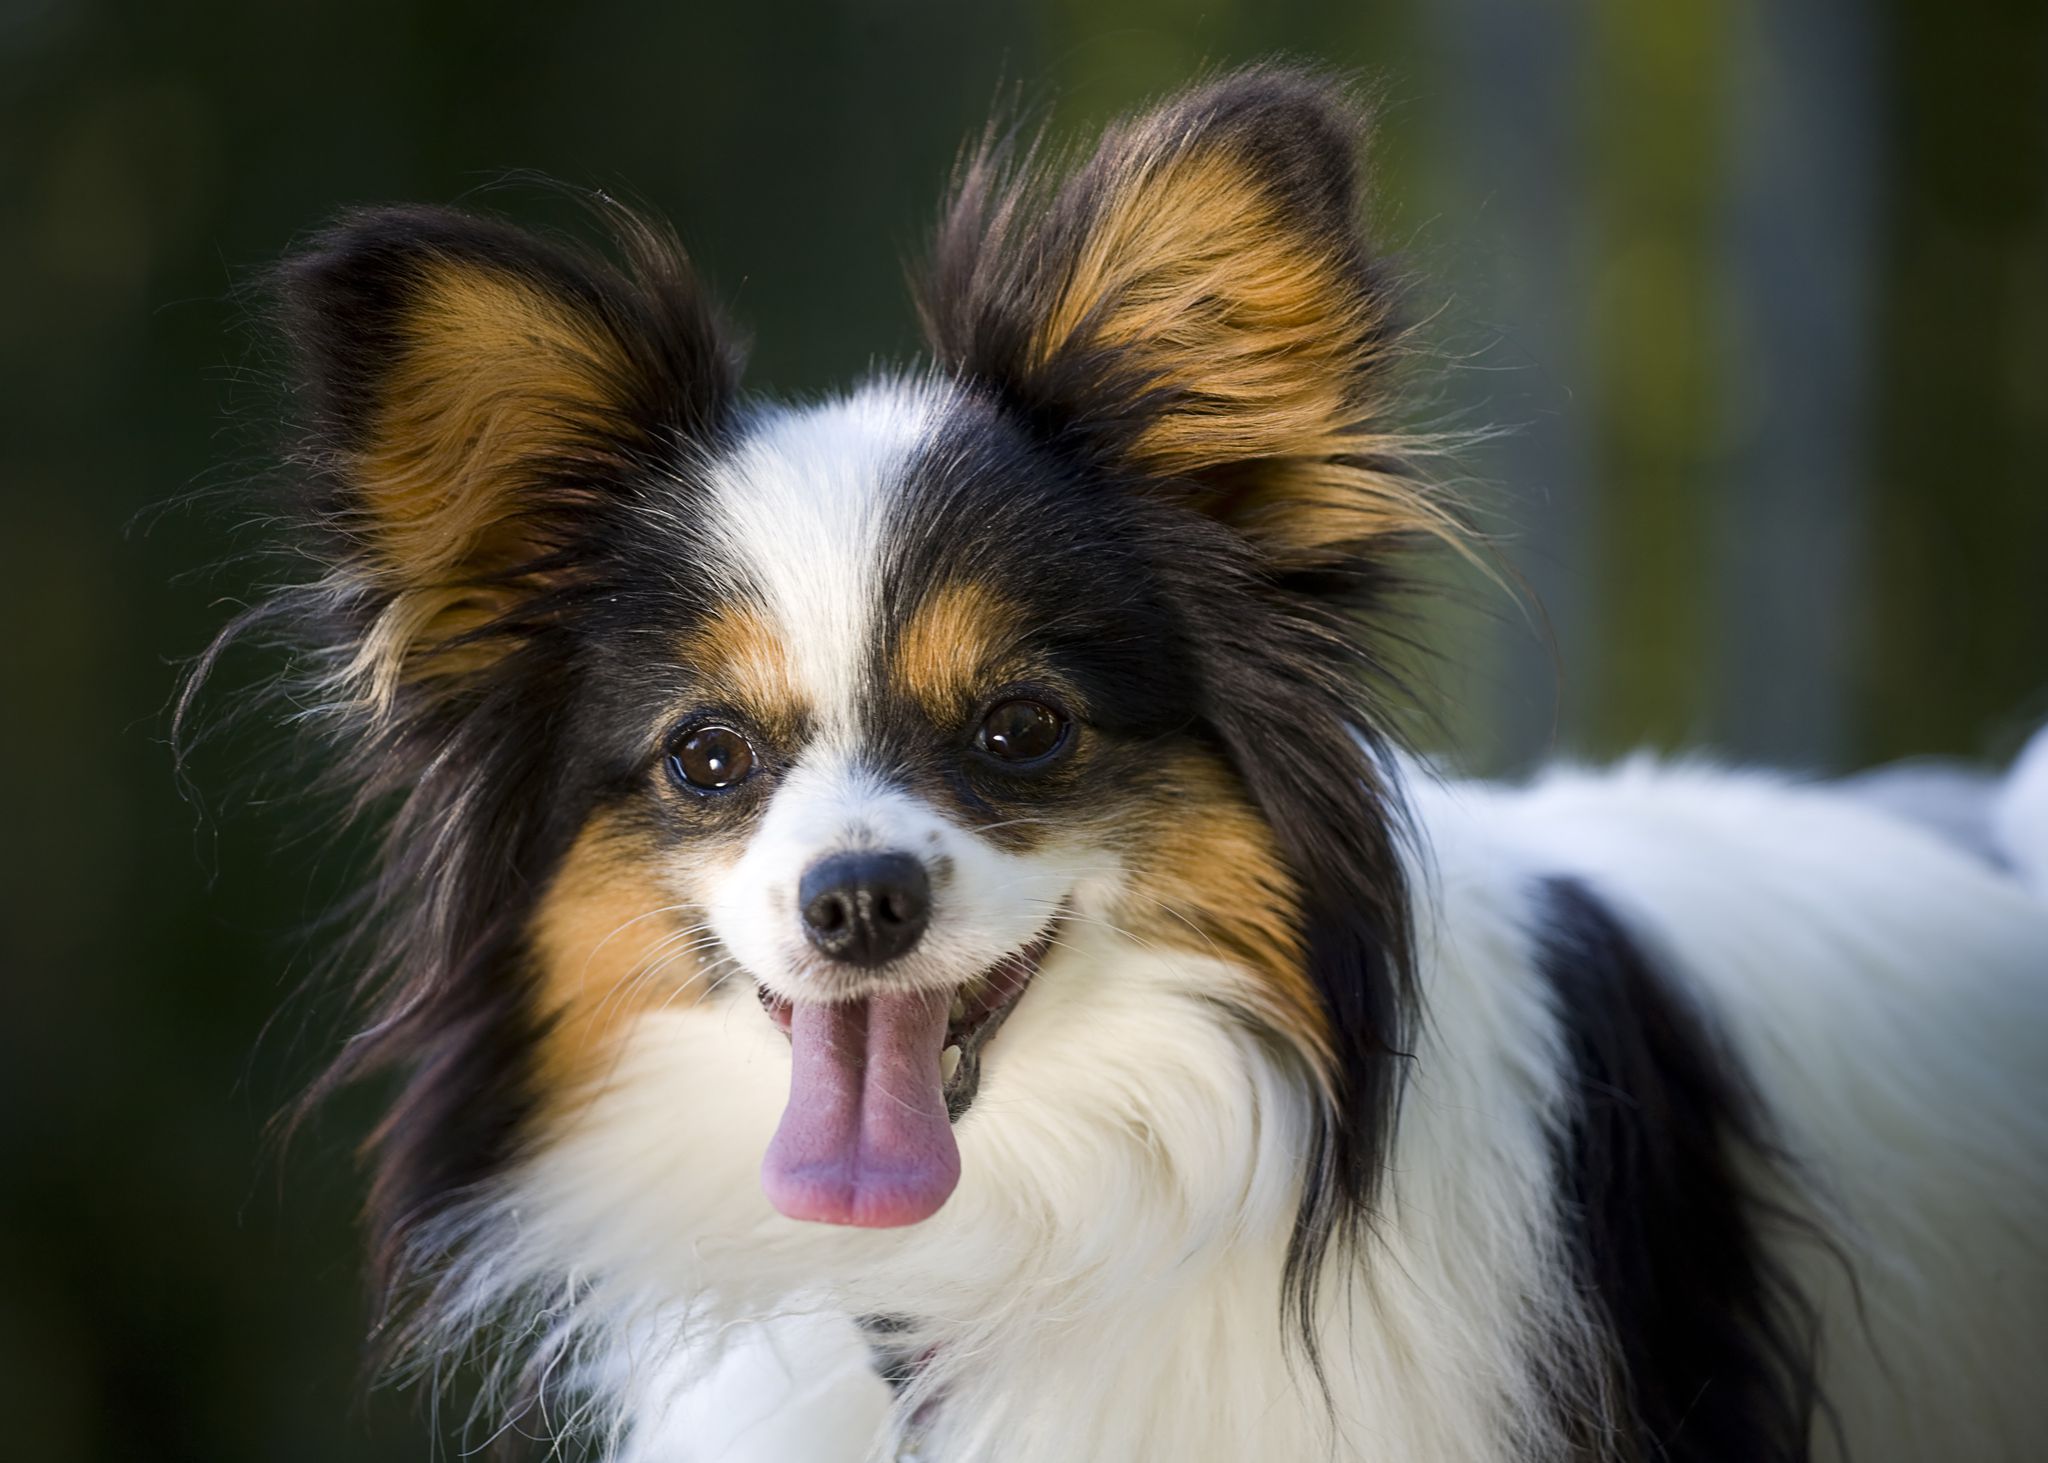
(1105, 1283)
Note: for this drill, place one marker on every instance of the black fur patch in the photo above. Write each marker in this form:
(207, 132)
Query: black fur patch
(1710, 1346)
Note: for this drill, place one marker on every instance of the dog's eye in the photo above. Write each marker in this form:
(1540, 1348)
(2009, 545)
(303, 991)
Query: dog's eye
(1021, 730)
(711, 758)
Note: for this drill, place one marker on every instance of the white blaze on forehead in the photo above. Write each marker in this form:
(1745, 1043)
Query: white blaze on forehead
(800, 511)
(798, 526)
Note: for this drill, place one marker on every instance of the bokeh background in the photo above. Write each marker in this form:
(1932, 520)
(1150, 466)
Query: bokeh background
(1760, 288)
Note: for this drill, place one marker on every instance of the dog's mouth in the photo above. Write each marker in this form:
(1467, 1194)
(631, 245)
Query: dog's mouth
(876, 1084)
(977, 1009)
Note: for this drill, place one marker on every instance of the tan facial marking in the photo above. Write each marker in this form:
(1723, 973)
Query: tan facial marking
(951, 645)
(608, 941)
(742, 656)
(1212, 881)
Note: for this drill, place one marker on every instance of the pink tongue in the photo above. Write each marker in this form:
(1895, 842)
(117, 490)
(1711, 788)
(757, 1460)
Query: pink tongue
(865, 1138)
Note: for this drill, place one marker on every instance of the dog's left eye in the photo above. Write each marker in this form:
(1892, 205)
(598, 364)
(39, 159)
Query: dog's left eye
(712, 758)
(1021, 730)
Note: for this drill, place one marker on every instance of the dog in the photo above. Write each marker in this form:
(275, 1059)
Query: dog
(901, 927)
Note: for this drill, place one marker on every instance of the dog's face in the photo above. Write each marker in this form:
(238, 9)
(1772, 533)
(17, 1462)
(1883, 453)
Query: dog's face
(906, 704)
(863, 723)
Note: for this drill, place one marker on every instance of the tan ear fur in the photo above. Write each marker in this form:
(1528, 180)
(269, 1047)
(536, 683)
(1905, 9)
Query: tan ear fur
(474, 395)
(494, 379)
(1198, 293)
(494, 374)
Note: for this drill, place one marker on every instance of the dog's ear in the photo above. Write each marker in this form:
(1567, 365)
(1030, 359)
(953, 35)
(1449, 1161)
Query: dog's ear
(473, 397)
(1194, 304)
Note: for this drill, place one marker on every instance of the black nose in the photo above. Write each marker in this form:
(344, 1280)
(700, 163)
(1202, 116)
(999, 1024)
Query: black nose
(865, 908)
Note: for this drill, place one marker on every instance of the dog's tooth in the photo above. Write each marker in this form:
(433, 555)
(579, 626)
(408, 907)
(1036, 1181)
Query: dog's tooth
(959, 1008)
(949, 1063)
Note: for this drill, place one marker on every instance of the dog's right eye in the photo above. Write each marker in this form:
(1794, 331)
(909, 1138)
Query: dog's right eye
(1022, 731)
(711, 758)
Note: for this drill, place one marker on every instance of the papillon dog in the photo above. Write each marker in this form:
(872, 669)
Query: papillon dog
(901, 928)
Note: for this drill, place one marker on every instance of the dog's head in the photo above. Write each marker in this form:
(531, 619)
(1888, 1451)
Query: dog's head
(869, 720)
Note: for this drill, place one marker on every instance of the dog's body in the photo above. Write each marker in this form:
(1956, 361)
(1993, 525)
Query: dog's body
(1178, 1072)
(1882, 988)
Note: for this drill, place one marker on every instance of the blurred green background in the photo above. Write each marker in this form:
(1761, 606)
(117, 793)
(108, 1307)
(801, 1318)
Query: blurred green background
(1762, 289)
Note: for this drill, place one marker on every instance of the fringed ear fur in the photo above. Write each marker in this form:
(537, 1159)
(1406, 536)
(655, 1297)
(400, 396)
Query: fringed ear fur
(1194, 304)
(470, 392)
